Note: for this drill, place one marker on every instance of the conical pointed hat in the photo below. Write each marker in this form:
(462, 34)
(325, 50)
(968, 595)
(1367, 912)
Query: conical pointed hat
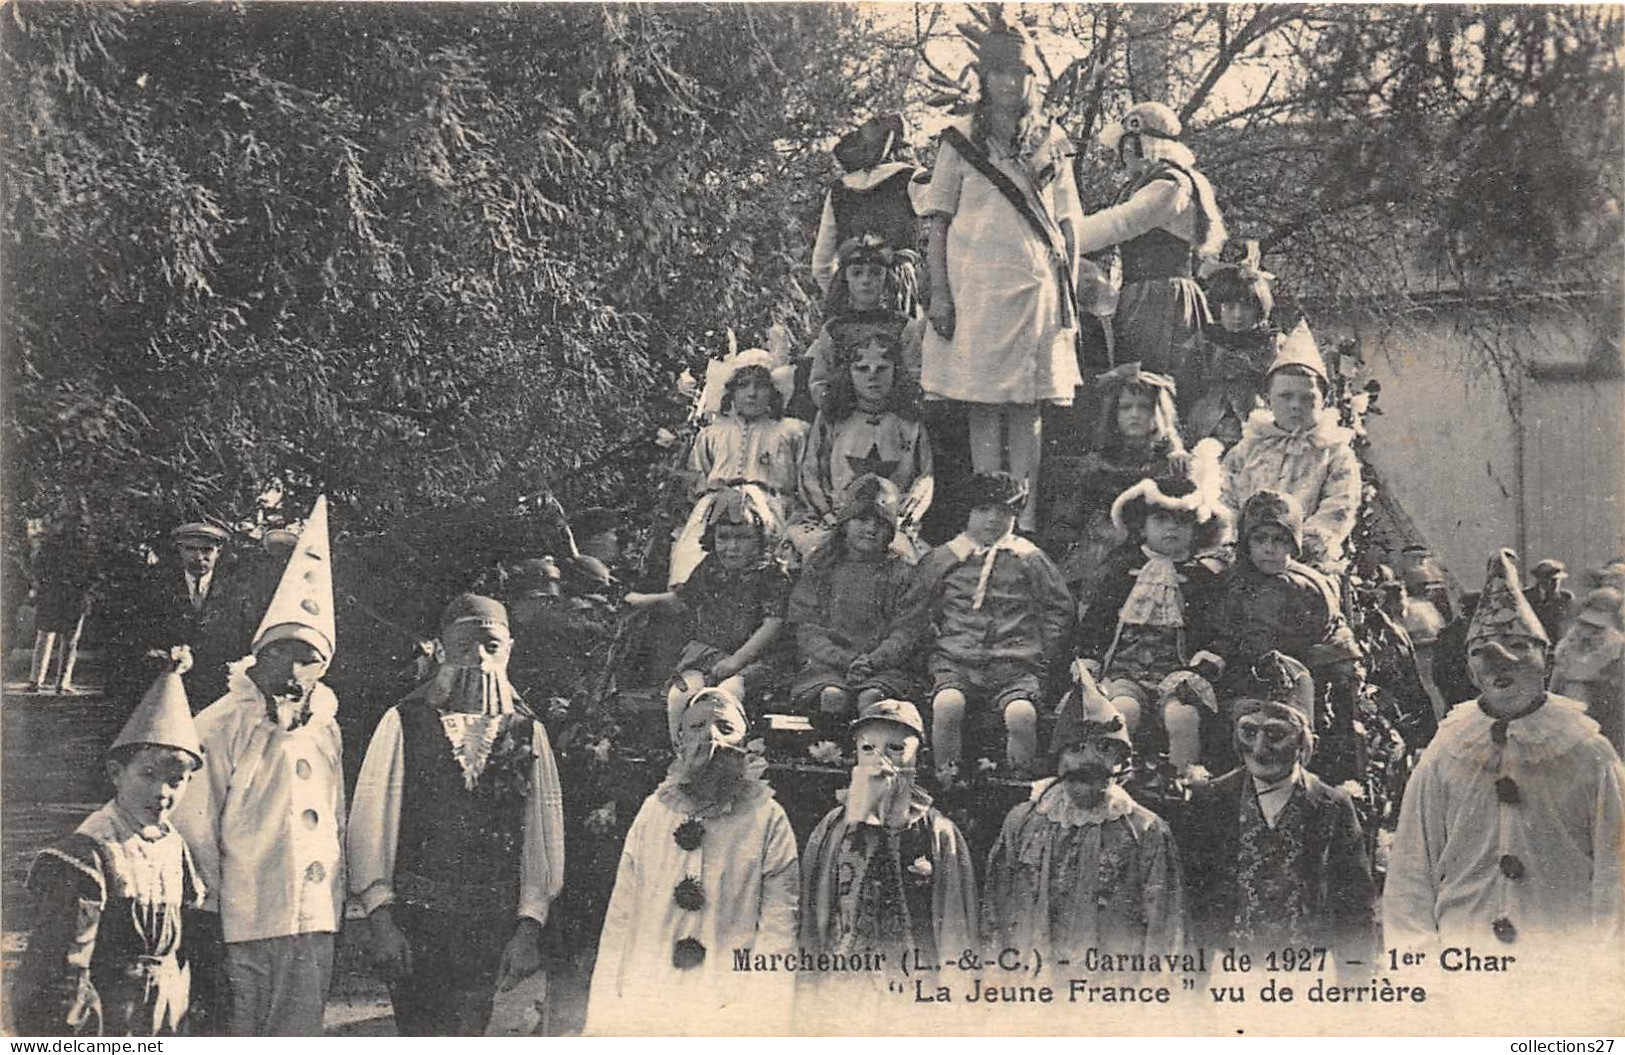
(302, 608)
(1087, 714)
(1502, 607)
(1298, 348)
(163, 716)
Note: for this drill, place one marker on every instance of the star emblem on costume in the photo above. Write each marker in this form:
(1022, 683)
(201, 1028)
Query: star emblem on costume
(872, 463)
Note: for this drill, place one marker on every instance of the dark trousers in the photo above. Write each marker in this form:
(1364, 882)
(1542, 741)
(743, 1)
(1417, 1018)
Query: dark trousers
(454, 972)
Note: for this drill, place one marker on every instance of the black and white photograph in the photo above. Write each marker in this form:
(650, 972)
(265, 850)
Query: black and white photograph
(893, 519)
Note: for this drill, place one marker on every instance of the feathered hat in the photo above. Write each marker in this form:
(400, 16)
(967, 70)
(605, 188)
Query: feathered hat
(1087, 715)
(1185, 487)
(1502, 608)
(999, 44)
(1299, 349)
(163, 717)
(302, 607)
(719, 373)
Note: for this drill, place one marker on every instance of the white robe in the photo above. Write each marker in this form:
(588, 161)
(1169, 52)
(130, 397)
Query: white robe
(1445, 881)
(748, 871)
(265, 816)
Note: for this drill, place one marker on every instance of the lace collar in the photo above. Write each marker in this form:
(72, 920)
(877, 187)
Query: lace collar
(675, 797)
(1556, 727)
(1062, 810)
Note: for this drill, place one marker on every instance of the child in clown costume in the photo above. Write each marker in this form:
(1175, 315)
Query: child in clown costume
(1510, 836)
(103, 956)
(750, 444)
(708, 872)
(1296, 446)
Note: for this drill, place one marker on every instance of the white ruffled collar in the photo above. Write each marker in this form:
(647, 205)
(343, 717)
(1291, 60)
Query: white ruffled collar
(675, 797)
(1061, 809)
(1559, 725)
(1325, 433)
(864, 179)
(324, 706)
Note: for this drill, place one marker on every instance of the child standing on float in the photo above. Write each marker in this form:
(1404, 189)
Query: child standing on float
(1001, 210)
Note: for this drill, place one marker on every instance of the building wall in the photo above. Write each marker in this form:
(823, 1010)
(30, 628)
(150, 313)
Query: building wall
(1448, 446)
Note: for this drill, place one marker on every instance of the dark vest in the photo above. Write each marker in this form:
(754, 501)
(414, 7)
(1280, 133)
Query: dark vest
(883, 210)
(1157, 253)
(458, 850)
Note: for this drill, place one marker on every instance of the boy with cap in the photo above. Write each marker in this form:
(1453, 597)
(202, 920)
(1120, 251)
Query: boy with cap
(1274, 857)
(708, 874)
(1513, 820)
(885, 871)
(267, 824)
(457, 836)
(1081, 865)
(103, 950)
(1295, 445)
(999, 611)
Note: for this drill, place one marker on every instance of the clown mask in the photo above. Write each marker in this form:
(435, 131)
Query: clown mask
(883, 779)
(474, 668)
(1086, 769)
(1510, 672)
(1271, 743)
(711, 738)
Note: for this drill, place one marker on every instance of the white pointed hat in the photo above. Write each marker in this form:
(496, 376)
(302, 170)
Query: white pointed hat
(302, 608)
(1298, 348)
(163, 717)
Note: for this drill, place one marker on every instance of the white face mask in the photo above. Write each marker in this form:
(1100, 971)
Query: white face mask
(713, 732)
(883, 779)
(474, 670)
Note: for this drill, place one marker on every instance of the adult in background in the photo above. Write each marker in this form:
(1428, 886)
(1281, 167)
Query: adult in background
(1589, 663)
(1165, 223)
(1001, 212)
(189, 601)
(64, 571)
(1552, 602)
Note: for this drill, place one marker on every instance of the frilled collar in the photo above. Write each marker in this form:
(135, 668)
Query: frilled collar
(1062, 810)
(240, 688)
(675, 797)
(1325, 433)
(1556, 727)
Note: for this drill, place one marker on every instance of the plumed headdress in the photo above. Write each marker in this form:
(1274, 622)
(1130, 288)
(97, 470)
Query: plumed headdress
(1188, 486)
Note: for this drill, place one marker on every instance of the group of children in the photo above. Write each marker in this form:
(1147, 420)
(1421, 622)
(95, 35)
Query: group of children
(1146, 581)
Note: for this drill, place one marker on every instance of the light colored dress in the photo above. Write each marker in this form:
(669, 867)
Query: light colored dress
(1015, 332)
(763, 457)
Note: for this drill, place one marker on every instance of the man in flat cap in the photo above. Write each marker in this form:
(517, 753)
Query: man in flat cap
(189, 602)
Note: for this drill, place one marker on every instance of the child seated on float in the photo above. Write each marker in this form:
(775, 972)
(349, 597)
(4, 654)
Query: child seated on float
(735, 602)
(1136, 438)
(1274, 603)
(1238, 352)
(103, 955)
(749, 444)
(999, 614)
(872, 293)
(1296, 446)
(1148, 632)
(847, 612)
(869, 425)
